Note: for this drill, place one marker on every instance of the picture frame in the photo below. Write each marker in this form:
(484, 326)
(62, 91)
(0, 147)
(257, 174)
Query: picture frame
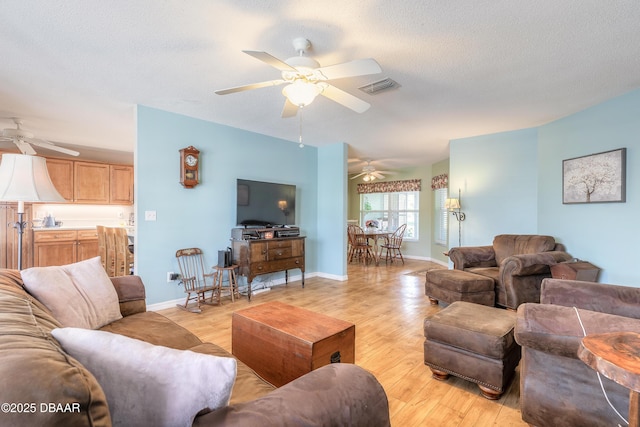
(595, 178)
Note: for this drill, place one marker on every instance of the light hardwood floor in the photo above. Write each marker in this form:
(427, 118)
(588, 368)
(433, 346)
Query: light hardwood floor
(388, 307)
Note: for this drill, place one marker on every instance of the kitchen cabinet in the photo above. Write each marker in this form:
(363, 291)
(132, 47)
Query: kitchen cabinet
(91, 182)
(9, 237)
(87, 182)
(61, 174)
(87, 244)
(120, 184)
(60, 247)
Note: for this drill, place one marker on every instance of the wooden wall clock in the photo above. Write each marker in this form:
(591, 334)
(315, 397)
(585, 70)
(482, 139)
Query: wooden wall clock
(189, 166)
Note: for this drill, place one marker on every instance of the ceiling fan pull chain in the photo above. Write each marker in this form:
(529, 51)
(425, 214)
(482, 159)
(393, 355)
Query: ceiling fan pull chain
(300, 139)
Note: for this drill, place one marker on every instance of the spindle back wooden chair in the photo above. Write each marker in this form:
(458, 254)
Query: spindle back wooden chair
(196, 282)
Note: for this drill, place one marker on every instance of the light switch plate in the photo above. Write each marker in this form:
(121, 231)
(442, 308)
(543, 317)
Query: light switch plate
(149, 215)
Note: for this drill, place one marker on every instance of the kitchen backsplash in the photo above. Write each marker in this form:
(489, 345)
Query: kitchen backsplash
(84, 215)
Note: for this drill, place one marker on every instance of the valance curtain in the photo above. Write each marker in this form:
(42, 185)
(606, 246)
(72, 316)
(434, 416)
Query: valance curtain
(439, 181)
(390, 186)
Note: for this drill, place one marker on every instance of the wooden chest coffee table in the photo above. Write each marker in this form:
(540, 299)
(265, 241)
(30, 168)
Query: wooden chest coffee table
(282, 342)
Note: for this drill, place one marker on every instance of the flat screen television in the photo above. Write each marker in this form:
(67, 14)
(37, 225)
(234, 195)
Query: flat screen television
(265, 204)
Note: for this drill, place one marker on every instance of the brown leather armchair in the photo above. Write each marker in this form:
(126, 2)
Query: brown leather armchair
(556, 387)
(517, 263)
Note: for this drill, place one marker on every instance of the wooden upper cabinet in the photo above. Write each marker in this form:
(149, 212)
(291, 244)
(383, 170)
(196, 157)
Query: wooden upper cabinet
(121, 184)
(91, 182)
(61, 173)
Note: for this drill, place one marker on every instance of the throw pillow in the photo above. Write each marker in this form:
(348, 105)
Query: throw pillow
(79, 295)
(149, 385)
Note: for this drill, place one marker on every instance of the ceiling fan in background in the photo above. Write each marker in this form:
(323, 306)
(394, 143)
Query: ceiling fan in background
(305, 79)
(370, 173)
(24, 140)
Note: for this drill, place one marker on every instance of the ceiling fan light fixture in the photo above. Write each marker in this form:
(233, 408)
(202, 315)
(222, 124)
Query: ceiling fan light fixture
(301, 93)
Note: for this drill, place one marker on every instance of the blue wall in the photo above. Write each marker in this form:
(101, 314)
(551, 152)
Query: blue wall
(203, 216)
(604, 234)
(512, 183)
(497, 176)
(332, 211)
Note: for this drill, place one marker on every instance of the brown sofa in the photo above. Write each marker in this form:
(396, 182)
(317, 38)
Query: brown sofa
(517, 263)
(36, 371)
(556, 387)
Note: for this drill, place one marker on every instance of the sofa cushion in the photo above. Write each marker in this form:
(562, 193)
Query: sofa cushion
(34, 367)
(506, 245)
(248, 385)
(151, 385)
(79, 295)
(154, 328)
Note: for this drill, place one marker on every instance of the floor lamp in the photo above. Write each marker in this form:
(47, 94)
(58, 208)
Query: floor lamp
(24, 178)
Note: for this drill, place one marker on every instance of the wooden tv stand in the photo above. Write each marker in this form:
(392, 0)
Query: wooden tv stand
(262, 256)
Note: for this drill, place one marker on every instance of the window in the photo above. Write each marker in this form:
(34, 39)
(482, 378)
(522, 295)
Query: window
(441, 215)
(391, 210)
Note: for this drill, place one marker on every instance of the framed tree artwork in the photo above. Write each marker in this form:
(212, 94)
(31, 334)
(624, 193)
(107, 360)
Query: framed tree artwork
(596, 178)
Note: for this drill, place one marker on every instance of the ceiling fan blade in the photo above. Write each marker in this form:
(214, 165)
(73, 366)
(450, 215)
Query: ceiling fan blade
(360, 174)
(289, 110)
(358, 67)
(250, 87)
(344, 98)
(51, 146)
(377, 175)
(24, 147)
(270, 60)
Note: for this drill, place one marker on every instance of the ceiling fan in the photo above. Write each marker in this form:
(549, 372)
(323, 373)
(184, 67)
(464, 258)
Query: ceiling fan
(305, 79)
(370, 173)
(24, 140)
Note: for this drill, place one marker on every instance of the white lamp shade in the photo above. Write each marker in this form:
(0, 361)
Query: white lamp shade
(301, 93)
(452, 204)
(25, 178)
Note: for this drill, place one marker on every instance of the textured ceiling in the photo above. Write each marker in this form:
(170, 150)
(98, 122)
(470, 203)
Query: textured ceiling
(73, 70)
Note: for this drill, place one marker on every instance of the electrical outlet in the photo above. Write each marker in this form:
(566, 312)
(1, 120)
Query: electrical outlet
(170, 276)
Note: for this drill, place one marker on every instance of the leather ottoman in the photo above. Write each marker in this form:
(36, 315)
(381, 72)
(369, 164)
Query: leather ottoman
(473, 342)
(458, 285)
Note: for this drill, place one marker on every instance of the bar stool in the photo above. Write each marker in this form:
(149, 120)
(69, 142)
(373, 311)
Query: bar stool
(233, 282)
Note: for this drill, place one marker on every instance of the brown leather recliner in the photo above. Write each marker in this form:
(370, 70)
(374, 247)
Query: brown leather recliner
(556, 387)
(517, 263)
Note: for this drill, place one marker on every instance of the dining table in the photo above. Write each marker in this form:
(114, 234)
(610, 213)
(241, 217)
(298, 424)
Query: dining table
(376, 235)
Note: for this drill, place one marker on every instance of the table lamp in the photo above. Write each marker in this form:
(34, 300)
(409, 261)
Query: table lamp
(24, 178)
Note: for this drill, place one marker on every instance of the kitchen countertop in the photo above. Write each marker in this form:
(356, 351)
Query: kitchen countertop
(70, 227)
(129, 228)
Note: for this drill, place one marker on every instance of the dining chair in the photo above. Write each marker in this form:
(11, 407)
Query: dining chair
(196, 282)
(359, 245)
(124, 257)
(110, 251)
(102, 245)
(393, 244)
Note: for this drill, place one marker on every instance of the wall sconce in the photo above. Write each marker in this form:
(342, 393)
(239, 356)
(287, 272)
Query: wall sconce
(453, 206)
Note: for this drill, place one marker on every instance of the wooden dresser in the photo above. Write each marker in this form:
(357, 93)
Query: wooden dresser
(261, 256)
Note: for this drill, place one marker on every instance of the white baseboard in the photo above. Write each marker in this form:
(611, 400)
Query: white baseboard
(166, 304)
(333, 276)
